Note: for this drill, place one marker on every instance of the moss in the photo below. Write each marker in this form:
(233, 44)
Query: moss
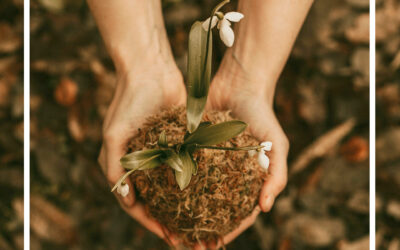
(224, 191)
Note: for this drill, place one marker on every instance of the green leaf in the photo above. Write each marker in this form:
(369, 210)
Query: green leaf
(183, 178)
(174, 161)
(202, 124)
(151, 162)
(199, 74)
(215, 134)
(162, 140)
(149, 157)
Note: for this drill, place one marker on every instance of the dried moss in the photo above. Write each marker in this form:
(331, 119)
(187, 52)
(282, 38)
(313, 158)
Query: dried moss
(224, 191)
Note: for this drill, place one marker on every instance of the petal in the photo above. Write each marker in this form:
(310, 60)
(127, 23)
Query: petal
(125, 190)
(226, 33)
(206, 23)
(234, 16)
(252, 153)
(267, 145)
(263, 160)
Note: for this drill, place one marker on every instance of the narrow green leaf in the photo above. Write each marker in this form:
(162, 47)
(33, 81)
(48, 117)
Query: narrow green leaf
(217, 133)
(173, 160)
(135, 159)
(162, 140)
(199, 74)
(183, 178)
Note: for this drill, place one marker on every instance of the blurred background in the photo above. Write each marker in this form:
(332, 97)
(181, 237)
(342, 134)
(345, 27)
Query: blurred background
(11, 124)
(388, 124)
(321, 101)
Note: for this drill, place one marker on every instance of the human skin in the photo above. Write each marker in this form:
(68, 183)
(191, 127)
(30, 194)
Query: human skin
(246, 80)
(148, 80)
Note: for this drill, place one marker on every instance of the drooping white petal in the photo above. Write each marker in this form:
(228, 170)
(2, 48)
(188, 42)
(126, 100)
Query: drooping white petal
(263, 160)
(252, 153)
(267, 146)
(226, 33)
(123, 189)
(206, 23)
(234, 16)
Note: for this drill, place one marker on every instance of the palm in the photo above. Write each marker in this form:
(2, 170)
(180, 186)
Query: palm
(258, 114)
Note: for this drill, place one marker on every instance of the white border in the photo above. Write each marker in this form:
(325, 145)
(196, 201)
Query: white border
(372, 183)
(372, 116)
(26, 125)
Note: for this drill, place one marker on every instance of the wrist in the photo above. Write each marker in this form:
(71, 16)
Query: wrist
(249, 79)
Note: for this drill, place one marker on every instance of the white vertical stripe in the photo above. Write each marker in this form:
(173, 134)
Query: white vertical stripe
(26, 125)
(372, 112)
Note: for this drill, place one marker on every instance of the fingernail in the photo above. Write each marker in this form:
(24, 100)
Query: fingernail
(267, 204)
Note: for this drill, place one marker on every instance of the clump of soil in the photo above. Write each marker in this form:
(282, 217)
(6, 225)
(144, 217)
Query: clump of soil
(223, 193)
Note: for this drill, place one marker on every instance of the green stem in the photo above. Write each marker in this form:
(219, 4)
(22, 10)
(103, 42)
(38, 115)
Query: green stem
(248, 148)
(219, 6)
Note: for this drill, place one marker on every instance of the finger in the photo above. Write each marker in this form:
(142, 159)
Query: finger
(244, 224)
(171, 239)
(114, 171)
(277, 177)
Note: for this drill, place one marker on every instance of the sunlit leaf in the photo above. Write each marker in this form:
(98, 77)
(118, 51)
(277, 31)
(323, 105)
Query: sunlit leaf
(217, 133)
(183, 178)
(202, 124)
(135, 160)
(173, 160)
(162, 140)
(199, 74)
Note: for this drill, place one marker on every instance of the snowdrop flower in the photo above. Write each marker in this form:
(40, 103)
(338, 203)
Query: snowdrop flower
(224, 25)
(123, 189)
(252, 153)
(263, 160)
(267, 146)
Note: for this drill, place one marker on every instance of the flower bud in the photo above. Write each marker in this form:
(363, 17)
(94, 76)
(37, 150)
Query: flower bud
(123, 189)
(252, 153)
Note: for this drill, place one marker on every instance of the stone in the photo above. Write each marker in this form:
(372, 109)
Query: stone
(359, 202)
(315, 231)
(393, 209)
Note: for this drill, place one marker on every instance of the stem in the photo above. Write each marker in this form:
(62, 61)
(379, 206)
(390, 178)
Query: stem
(219, 6)
(248, 148)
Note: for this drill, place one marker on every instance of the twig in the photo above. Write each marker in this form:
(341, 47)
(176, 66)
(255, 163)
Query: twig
(322, 146)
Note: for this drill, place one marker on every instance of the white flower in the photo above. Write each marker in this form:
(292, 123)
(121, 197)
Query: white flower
(123, 189)
(252, 153)
(224, 26)
(263, 160)
(267, 146)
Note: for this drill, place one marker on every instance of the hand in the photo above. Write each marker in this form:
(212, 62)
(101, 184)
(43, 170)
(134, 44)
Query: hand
(137, 96)
(251, 101)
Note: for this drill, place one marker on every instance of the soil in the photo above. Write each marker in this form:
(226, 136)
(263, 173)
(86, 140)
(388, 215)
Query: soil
(223, 193)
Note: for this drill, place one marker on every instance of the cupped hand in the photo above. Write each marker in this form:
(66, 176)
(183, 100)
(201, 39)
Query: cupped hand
(137, 95)
(250, 100)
